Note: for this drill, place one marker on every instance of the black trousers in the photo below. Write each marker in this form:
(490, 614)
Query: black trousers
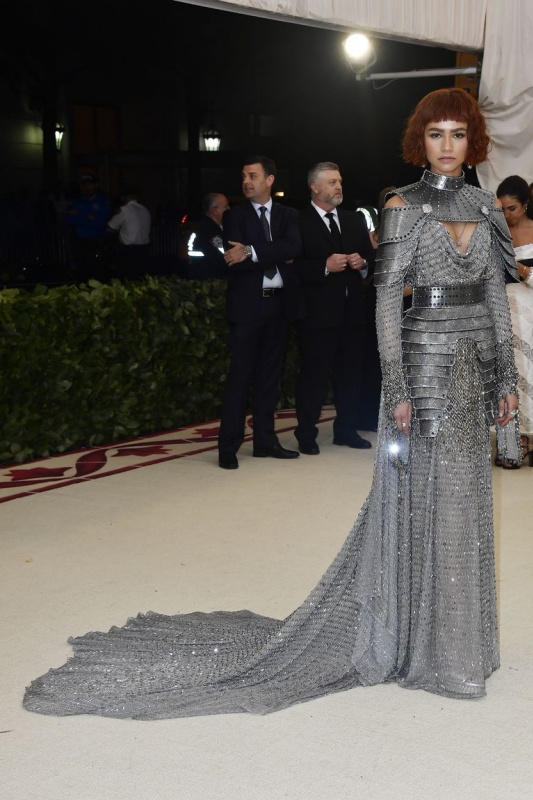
(329, 354)
(134, 260)
(257, 349)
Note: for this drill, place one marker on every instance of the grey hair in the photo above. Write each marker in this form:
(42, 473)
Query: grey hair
(316, 169)
(209, 201)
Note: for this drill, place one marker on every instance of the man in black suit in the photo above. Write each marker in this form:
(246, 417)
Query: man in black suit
(336, 251)
(263, 296)
(208, 239)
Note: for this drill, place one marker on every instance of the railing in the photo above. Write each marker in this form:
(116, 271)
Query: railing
(47, 253)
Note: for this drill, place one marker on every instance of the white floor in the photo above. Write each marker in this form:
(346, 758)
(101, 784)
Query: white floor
(184, 535)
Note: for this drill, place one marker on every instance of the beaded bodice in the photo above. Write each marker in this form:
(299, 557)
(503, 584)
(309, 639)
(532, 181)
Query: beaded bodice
(438, 262)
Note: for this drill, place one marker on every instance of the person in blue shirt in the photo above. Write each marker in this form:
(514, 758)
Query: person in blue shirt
(88, 216)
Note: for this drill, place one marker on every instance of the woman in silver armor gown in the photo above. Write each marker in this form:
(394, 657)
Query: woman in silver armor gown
(410, 597)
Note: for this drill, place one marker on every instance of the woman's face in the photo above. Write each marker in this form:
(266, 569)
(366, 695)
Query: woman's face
(446, 144)
(514, 211)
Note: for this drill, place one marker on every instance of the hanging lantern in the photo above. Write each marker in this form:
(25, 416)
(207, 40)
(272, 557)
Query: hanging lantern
(59, 133)
(212, 140)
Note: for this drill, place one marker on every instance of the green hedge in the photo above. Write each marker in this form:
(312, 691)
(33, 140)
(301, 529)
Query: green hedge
(83, 366)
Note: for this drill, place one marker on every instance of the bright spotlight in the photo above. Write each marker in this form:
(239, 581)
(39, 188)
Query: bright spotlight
(359, 52)
(357, 46)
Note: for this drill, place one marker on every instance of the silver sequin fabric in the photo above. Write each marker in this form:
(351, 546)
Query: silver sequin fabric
(410, 597)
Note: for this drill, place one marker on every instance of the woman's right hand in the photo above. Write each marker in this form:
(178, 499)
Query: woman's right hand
(402, 415)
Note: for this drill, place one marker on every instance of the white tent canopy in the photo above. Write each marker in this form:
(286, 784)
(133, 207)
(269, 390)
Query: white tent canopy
(503, 30)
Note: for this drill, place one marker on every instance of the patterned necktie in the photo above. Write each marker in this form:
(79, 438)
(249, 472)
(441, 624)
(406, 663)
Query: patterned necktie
(335, 232)
(271, 272)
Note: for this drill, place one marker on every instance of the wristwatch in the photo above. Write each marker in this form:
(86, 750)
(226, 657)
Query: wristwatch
(247, 251)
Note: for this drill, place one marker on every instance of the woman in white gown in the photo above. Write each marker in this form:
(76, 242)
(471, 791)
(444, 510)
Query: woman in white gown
(410, 598)
(514, 195)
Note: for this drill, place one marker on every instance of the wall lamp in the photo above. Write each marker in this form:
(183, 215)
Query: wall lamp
(212, 140)
(59, 133)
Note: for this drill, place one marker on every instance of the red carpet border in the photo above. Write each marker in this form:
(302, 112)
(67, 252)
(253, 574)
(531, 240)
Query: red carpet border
(21, 480)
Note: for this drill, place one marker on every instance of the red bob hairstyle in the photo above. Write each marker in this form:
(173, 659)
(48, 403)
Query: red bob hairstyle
(441, 105)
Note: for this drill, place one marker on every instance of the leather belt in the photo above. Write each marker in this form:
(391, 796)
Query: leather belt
(441, 296)
(272, 292)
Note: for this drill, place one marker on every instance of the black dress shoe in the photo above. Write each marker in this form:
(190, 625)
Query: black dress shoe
(311, 449)
(354, 440)
(276, 451)
(228, 461)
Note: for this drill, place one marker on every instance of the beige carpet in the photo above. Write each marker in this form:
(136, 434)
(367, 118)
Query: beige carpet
(184, 535)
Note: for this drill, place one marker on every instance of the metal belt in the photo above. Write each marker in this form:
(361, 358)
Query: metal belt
(441, 296)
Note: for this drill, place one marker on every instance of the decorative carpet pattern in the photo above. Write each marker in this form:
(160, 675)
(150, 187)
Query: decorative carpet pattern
(21, 480)
(186, 536)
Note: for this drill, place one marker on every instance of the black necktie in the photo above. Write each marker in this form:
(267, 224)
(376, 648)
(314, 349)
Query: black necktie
(271, 272)
(335, 232)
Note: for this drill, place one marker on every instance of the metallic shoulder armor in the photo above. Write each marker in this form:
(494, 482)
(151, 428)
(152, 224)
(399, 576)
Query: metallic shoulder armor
(398, 237)
(445, 199)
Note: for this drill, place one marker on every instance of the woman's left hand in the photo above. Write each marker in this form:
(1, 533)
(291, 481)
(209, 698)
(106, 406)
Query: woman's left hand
(402, 416)
(523, 271)
(507, 409)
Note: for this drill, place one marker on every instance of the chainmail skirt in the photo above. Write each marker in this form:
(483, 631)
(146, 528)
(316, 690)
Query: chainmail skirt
(453, 639)
(409, 598)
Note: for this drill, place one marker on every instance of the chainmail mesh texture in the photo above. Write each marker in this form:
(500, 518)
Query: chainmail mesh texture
(389, 312)
(409, 598)
(506, 371)
(454, 644)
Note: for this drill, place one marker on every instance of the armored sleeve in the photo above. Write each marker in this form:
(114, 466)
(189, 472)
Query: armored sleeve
(399, 233)
(388, 320)
(502, 242)
(496, 301)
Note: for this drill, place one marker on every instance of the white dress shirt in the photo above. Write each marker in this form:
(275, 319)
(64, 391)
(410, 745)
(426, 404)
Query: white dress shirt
(363, 272)
(323, 215)
(268, 283)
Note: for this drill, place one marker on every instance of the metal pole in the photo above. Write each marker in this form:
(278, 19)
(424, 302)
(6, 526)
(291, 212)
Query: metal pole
(417, 73)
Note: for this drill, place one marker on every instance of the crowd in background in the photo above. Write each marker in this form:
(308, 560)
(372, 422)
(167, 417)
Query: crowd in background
(80, 232)
(40, 236)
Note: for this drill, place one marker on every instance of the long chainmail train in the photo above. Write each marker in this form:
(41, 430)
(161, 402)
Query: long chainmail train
(410, 597)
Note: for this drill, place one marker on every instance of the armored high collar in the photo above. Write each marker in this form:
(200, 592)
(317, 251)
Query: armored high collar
(447, 198)
(448, 184)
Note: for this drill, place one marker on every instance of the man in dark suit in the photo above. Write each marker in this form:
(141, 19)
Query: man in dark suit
(263, 296)
(336, 251)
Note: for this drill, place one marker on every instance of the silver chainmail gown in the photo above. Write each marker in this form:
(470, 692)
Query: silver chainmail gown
(410, 597)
